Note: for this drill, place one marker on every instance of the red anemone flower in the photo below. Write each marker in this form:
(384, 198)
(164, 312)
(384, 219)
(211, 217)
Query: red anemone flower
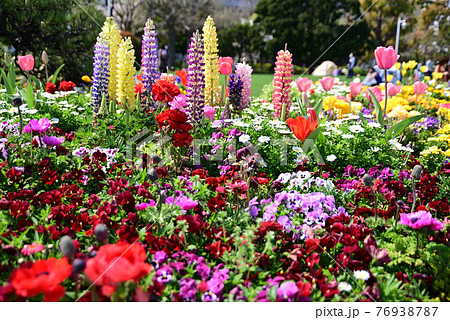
(302, 127)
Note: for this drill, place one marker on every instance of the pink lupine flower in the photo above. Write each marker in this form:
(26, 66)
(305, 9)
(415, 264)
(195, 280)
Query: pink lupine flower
(282, 82)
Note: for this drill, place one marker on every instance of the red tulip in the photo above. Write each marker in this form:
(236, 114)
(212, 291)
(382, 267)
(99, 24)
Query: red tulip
(420, 88)
(355, 88)
(26, 63)
(327, 83)
(392, 89)
(303, 84)
(386, 57)
(225, 65)
(376, 91)
(302, 127)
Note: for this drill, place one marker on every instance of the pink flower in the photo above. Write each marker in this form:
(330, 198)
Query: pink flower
(179, 102)
(52, 141)
(145, 205)
(32, 248)
(421, 219)
(355, 88)
(26, 63)
(327, 83)
(420, 88)
(392, 89)
(303, 84)
(376, 91)
(386, 57)
(225, 65)
(209, 112)
(186, 203)
(37, 126)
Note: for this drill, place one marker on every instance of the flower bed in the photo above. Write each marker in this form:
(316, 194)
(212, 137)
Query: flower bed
(313, 192)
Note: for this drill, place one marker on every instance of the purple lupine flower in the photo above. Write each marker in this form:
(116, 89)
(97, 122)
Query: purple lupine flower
(245, 72)
(52, 141)
(235, 94)
(149, 70)
(195, 79)
(101, 73)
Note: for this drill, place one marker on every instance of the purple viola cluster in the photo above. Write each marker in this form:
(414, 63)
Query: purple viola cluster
(205, 282)
(304, 211)
(195, 79)
(5, 129)
(235, 93)
(101, 73)
(425, 124)
(149, 58)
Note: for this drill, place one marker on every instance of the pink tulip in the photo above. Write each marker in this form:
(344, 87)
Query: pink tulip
(392, 89)
(225, 65)
(303, 84)
(327, 83)
(26, 63)
(377, 92)
(355, 88)
(420, 88)
(386, 57)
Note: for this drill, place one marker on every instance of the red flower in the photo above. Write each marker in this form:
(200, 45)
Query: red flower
(182, 138)
(116, 263)
(138, 88)
(50, 87)
(66, 86)
(165, 91)
(183, 76)
(14, 175)
(217, 249)
(43, 276)
(302, 127)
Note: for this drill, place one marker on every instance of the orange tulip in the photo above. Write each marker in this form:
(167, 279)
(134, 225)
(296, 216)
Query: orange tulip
(302, 127)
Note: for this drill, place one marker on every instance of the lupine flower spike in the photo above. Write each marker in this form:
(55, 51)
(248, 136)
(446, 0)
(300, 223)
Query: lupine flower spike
(101, 73)
(282, 84)
(149, 70)
(195, 79)
(212, 90)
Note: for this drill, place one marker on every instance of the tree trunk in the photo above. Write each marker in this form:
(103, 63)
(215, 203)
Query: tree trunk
(171, 31)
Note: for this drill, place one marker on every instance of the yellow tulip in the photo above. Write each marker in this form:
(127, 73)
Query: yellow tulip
(389, 77)
(398, 65)
(398, 82)
(403, 72)
(426, 78)
(404, 65)
(423, 69)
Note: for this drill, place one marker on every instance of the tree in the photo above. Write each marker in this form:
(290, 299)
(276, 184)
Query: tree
(310, 29)
(65, 29)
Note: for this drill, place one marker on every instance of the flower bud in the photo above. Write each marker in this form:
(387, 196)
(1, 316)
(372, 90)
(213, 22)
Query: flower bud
(400, 203)
(44, 57)
(7, 58)
(101, 233)
(17, 101)
(367, 178)
(66, 246)
(156, 158)
(416, 171)
(78, 266)
(152, 175)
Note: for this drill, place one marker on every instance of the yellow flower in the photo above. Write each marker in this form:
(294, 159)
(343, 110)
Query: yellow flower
(338, 106)
(357, 106)
(403, 72)
(111, 33)
(445, 129)
(404, 66)
(398, 112)
(423, 69)
(212, 90)
(447, 153)
(125, 75)
(412, 64)
(437, 75)
(431, 150)
(398, 65)
(398, 82)
(413, 113)
(86, 79)
(389, 77)
(426, 78)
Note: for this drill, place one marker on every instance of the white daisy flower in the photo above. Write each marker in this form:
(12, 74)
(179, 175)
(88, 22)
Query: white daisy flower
(297, 149)
(356, 128)
(244, 138)
(348, 136)
(263, 139)
(374, 149)
(374, 125)
(361, 275)
(344, 286)
(326, 133)
(331, 158)
(257, 128)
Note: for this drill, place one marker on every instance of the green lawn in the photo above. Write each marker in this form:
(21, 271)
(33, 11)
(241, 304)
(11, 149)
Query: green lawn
(260, 80)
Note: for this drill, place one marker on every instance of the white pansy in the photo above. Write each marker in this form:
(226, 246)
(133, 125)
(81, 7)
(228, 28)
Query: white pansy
(331, 157)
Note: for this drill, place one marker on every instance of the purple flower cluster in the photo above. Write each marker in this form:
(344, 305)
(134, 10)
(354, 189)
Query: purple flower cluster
(427, 123)
(101, 73)
(235, 94)
(149, 58)
(195, 79)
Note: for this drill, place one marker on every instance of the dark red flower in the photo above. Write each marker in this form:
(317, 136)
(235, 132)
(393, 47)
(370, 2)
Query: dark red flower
(50, 87)
(43, 276)
(182, 138)
(14, 175)
(66, 86)
(116, 263)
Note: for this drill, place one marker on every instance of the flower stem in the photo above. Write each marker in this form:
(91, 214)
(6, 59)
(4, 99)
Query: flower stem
(385, 93)
(414, 195)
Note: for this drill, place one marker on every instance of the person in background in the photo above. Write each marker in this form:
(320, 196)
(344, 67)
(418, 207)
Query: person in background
(163, 56)
(372, 78)
(351, 65)
(430, 66)
(442, 67)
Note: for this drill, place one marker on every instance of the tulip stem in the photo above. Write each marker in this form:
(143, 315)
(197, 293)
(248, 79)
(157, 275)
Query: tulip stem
(414, 195)
(375, 202)
(385, 93)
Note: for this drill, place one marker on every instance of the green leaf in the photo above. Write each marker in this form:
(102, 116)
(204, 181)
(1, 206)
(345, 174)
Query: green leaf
(55, 75)
(37, 81)
(399, 127)
(12, 75)
(8, 87)
(378, 110)
(313, 135)
(30, 95)
(361, 116)
(318, 107)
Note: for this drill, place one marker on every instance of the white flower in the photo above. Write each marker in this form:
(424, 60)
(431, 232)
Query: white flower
(303, 175)
(344, 286)
(285, 131)
(263, 139)
(356, 128)
(361, 275)
(244, 138)
(284, 177)
(297, 149)
(348, 136)
(374, 149)
(257, 128)
(300, 158)
(374, 125)
(331, 157)
(326, 133)
(262, 163)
